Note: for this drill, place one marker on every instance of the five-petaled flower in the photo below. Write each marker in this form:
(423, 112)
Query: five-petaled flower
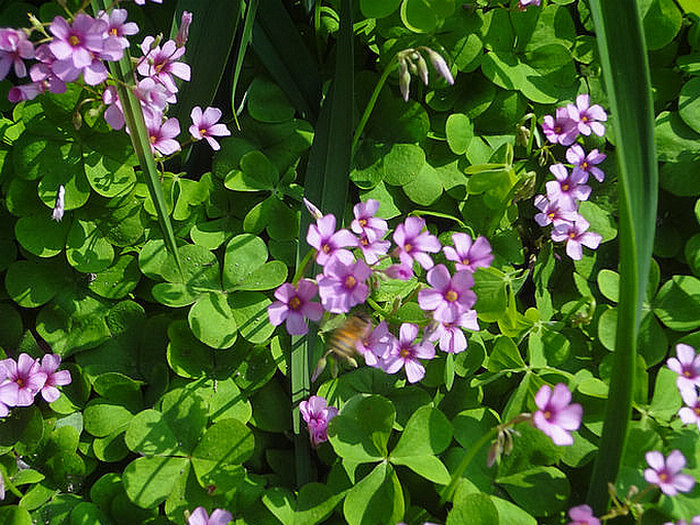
(556, 415)
(205, 126)
(414, 244)
(450, 296)
(406, 354)
(329, 243)
(687, 365)
(317, 414)
(200, 517)
(587, 118)
(576, 235)
(342, 285)
(582, 515)
(294, 306)
(665, 473)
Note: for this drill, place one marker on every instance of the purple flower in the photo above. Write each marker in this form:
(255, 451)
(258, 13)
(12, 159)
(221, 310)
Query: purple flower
(560, 130)
(162, 136)
(27, 375)
(183, 31)
(204, 126)
(376, 345)
(449, 297)
(26, 92)
(665, 472)
(77, 43)
(582, 515)
(113, 115)
(556, 416)
(687, 365)
(117, 29)
(153, 97)
(365, 222)
(328, 242)
(372, 251)
(200, 517)
(451, 336)
(42, 73)
(567, 188)
(317, 414)
(469, 256)
(342, 285)
(586, 163)
(9, 393)
(294, 306)
(587, 118)
(414, 244)
(14, 49)
(405, 354)
(54, 377)
(575, 235)
(399, 271)
(696, 521)
(690, 413)
(554, 212)
(161, 63)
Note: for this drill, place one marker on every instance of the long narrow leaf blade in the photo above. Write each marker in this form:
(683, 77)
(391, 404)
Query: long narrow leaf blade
(626, 71)
(246, 38)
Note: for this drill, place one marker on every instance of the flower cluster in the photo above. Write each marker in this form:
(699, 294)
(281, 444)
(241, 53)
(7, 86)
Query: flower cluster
(412, 62)
(317, 414)
(687, 365)
(23, 379)
(351, 266)
(218, 517)
(560, 206)
(79, 46)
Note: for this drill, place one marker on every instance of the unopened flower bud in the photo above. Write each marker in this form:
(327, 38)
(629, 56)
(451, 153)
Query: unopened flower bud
(440, 65)
(313, 210)
(60, 206)
(404, 80)
(184, 30)
(77, 120)
(493, 454)
(525, 187)
(422, 69)
(522, 136)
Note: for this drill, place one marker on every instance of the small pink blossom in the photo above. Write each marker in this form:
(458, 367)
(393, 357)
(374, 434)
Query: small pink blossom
(54, 377)
(372, 250)
(117, 27)
(554, 212)
(450, 296)
(587, 118)
(294, 306)
(365, 222)
(406, 354)
(317, 415)
(163, 136)
(582, 515)
(414, 244)
(560, 129)
(200, 517)
(162, 63)
(586, 163)
(451, 337)
(576, 235)
(690, 413)
(567, 189)
(15, 48)
(687, 365)
(343, 285)
(468, 255)
(204, 126)
(556, 416)
(665, 472)
(377, 345)
(399, 271)
(78, 43)
(28, 376)
(328, 242)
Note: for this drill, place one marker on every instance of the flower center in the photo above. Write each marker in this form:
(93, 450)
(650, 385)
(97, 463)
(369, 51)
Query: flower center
(565, 186)
(697, 411)
(551, 215)
(451, 296)
(294, 303)
(663, 476)
(405, 352)
(20, 382)
(326, 248)
(114, 31)
(407, 247)
(557, 129)
(364, 241)
(465, 261)
(584, 119)
(572, 235)
(350, 281)
(687, 373)
(547, 415)
(73, 40)
(362, 222)
(584, 165)
(202, 131)
(159, 67)
(153, 139)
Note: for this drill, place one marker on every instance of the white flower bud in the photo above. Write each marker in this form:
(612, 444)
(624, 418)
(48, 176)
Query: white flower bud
(60, 206)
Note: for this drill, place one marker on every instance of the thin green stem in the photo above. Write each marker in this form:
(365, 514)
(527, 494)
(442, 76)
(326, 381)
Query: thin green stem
(371, 103)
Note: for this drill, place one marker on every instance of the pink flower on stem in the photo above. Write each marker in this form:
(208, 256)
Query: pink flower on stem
(54, 377)
(582, 515)
(372, 250)
(117, 26)
(568, 189)
(665, 472)
(183, 31)
(450, 296)
(586, 163)
(690, 413)
(468, 255)
(556, 416)
(294, 306)
(153, 97)
(317, 415)
(576, 235)
(162, 136)
(587, 118)
(9, 393)
(14, 49)
(27, 375)
(560, 129)
(200, 517)
(161, 63)
(113, 115)
(399, 271)
(204, 126)
(687, 365)
(554, 212)
(377, 345)
(328, 242)
(79, 43)
(406, 354)
(365, 222)
(451, 337)
(342, 285)
(414, 244)
(42, 73)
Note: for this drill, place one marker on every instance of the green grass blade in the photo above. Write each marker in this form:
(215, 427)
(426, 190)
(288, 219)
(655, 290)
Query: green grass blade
(326, 185)
(133, 116)
(246, 38)
(626, 72)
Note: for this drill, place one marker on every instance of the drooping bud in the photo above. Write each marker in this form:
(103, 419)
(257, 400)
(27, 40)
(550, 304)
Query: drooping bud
(440, 65)
(184, 30)
(404, 79)
(313, 210)
(422, 66)
(60, 206)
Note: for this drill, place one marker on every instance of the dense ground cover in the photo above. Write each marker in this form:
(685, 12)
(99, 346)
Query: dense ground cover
(352, 262)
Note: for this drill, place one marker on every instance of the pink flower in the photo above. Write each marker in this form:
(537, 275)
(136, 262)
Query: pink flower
(200, 517)
(399, 271)
(14, 49)
(556, 416)
(568, 189)
(162, 136)
(327, 242)
(582, 515)
(414, 244)
(587, 118)
(54, 377)
(79, 43)
(449, 296)
(365, 222)
(469, 256)
(183, 31)
(9, 393)
(342, 285)
(113, 115)
(665, 472)
(690, 413)
(42, 73)
(294, 306)
(451, 336)
(372, 251)
(28, 376)
(405, 354)
(575, 235)
(560, 130)
(204, 126)
(586, 163)
(153, 97)
(161, 63)
(317, 415)
(117, 29)
(377, 345)
(554, 212)
(687, 365)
